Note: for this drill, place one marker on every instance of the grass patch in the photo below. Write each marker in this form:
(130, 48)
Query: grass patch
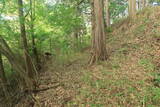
(153, 96)
(147, 64)
(141, 28)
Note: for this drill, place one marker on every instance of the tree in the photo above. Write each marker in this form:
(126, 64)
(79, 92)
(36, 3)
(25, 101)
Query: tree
(2, 73)
(132, 8)
(3, 77)
(144, 3)
(28, 63)
(107, 13)
(32, 19)
(16, 61)
(98, 32)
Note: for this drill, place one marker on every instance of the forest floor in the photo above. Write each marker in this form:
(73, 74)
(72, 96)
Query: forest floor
(129, 78)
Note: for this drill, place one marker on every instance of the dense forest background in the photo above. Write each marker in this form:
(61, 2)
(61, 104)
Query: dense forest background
(87, 37)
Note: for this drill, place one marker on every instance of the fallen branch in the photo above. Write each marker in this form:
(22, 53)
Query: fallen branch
(40, 90)
(71, 63)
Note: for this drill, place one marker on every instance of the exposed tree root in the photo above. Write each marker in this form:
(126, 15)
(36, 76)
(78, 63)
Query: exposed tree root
(43, 89)
(94, 58)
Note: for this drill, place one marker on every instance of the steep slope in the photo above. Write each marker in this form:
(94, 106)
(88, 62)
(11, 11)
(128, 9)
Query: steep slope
(131, 76)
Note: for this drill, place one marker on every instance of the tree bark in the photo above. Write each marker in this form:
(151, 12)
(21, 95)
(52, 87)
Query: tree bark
(138, 4)
(16, 61)
(132, 8)
(3, 77)
(107, 13)
(98, 32)
(143, 3)
(2, 73)
(28, 63)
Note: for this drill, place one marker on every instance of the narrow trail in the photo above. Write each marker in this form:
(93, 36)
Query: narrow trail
(60, 84)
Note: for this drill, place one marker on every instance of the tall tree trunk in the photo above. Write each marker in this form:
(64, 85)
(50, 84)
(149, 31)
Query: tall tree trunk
(107, 13)
(28, 62)
(50, 44)
(98, 32)
(143, 3)
(34, 48)
(2, 73)
(138, 4)
(3, 76)
(132, 8)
